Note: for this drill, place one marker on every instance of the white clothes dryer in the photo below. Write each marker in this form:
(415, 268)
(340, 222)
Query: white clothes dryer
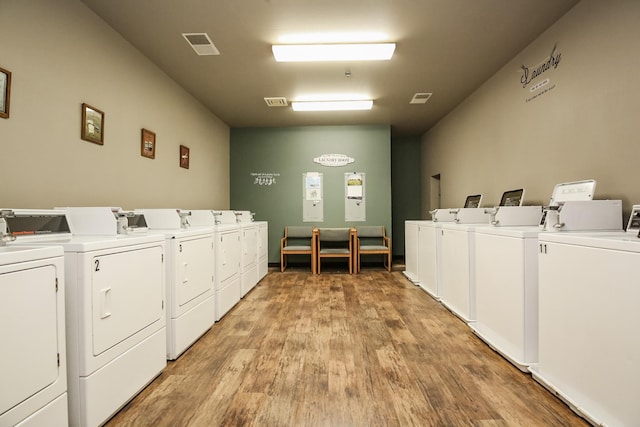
(115, 314)
(226, 232)
(33, 362)
(190, 267)
(249, 241)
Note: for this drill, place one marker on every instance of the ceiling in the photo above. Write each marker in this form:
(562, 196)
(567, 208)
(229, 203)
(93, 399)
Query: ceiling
(445, 47)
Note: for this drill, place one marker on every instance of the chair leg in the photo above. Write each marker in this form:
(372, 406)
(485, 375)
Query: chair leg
(282, 263)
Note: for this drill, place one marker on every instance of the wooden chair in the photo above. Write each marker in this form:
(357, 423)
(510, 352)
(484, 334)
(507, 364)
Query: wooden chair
(334, 243)
(373, 240)
(297, 240)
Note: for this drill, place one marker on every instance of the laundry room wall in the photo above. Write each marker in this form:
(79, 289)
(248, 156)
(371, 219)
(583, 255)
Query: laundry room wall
(285, 154)
(62, 55)
(574, 116)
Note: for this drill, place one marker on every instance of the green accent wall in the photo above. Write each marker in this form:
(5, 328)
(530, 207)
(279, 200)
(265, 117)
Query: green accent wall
(288, 153)
(406, 184)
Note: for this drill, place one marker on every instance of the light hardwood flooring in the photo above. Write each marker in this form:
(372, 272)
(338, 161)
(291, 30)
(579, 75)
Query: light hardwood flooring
(370, 349)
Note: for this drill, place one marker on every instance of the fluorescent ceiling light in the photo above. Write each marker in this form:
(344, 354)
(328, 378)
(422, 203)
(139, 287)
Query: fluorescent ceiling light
(346, 96)
(333, 52)
(350, 37)
(331, 105)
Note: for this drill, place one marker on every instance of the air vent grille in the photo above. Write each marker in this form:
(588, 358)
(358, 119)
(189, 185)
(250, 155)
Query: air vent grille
(201, 43)
(420, 98)
(276, 101)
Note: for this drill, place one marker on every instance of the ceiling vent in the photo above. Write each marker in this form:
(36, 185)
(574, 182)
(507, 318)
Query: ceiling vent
(201, 43)
(420, 98)
(276, 101)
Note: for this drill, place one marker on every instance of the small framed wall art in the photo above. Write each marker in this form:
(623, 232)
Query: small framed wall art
(148, 144)
(184, 157)
(5, 92)
(92, 124)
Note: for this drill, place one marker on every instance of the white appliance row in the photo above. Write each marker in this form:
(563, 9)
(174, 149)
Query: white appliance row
(537, 296)
(139, 288)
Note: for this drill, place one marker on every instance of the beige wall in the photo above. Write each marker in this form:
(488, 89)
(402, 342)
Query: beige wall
(585, 127)
(62, 55)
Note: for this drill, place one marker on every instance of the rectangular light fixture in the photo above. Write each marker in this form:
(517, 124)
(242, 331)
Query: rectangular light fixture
(333, 52)
(331, 105)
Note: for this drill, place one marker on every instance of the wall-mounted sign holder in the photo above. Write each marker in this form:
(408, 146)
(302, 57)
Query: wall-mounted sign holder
(312, 197)
(355, 207)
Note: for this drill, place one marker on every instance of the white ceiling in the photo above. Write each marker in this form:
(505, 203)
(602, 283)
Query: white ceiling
(447, 47)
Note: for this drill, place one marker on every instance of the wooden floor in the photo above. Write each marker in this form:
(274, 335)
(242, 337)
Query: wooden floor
(342, 350)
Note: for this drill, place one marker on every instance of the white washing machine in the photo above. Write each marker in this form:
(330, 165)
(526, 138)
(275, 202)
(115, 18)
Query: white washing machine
(459, 249)
(249, 242)
(507, 291)
(190, 267)
(33, 362)
(588, 324)
(458, 275)
(429, 257)
(411, 250)
(226, 236)
(430, 246)
(457, 287)
(115, 314)
(263, 249)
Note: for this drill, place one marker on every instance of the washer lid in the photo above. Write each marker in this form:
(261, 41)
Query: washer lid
(577, 190)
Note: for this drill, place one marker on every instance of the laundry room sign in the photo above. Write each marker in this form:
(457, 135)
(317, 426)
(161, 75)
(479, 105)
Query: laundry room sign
(531, 77)
(333, 160)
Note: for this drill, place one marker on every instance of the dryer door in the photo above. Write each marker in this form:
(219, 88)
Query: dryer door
(227, 255)
(195, 269)
(128, 294)
(28, 332)
(249, 247)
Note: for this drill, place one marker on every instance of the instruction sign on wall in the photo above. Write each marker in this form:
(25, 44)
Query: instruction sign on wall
(354, 200)
(312, 207)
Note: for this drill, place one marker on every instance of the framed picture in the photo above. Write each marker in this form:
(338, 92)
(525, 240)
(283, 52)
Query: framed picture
(92, 124)
(184, 157)
(148, 144)
(5, 92)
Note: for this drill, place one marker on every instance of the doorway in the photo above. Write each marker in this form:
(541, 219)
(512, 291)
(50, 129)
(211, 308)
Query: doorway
(434, 192)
